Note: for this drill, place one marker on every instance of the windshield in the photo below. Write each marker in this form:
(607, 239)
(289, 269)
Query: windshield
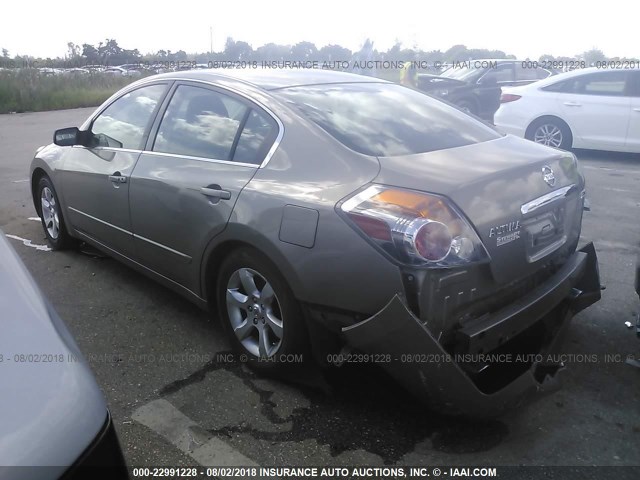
(464, 73)
(385, 119)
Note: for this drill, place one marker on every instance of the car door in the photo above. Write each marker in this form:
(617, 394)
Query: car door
(633, 133)
(487, 89)
(205, 147)
(95, 178)
(597, 109)
(525, 76)
(503, 75)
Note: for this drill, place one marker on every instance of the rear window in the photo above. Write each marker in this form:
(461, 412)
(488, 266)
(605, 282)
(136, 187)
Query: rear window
(385, 120)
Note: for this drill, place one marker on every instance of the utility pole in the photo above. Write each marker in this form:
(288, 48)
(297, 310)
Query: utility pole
(211, 40)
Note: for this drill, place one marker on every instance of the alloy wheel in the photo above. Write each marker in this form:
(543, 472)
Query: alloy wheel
(548, 134)
(50, 212)
(254, 312)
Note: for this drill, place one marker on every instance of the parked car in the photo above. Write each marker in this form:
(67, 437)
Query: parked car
(50, 71)
(593, 108)
(52, 413)
(475, 85)
(76, 71)
(504, 72)
(120, 71)
(95, 68)
(481, 100)
(318, 209)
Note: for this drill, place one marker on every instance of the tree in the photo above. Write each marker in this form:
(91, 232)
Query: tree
(73, 50)
(5, 53)
(272, 53)
(109, 51)
(335, 53)
(304, 51)
(394, 53)
(90, 53)
(237, 50)
(592, 56)
(457, 53)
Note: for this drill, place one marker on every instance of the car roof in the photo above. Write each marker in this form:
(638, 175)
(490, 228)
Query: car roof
(271, 78)
(567, 75)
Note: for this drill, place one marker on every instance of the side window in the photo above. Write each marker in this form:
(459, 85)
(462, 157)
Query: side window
(122, 124)
(526, 74)
(259, 133)
(565, 86)
(200, 122)
(502, 73)
(542, 73)
(602, 83)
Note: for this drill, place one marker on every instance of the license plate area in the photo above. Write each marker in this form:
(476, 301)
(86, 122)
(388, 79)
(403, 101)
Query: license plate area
(545, 233)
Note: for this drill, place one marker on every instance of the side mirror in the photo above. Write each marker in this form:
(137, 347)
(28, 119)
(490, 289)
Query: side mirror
(66, 137)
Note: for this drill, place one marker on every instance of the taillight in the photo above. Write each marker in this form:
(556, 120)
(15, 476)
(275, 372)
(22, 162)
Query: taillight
(509, 97)
(413, 227)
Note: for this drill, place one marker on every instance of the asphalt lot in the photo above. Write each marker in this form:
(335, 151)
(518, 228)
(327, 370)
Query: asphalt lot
(177, 399)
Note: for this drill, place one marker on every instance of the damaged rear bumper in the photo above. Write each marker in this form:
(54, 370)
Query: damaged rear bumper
(420, 363)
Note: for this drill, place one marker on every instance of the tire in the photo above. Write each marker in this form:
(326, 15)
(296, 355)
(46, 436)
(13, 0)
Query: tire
(51, 216)
(266, 326)
(551, 132)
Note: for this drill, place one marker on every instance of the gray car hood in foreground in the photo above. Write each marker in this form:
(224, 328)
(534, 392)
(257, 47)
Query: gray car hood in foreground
(51, 408)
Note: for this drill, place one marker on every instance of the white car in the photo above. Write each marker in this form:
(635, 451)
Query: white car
(593, 108)
(120, 71)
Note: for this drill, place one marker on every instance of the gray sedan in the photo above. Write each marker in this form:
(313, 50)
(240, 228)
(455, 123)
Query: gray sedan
(324, 213)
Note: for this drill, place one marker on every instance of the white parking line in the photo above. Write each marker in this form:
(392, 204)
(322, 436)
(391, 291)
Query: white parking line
(27, 242)
(166, 420)
(35, 219)
(20, 181)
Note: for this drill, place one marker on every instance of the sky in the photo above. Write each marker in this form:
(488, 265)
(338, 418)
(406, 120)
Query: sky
(525, 29)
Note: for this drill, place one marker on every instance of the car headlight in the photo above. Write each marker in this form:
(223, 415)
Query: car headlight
(414, 228)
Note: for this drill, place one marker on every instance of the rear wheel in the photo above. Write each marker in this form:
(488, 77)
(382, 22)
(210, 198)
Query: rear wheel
(551, 132)
(51, 216)
(257, 308)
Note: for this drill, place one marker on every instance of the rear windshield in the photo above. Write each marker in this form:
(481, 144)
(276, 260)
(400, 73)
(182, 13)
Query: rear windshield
(384, 119)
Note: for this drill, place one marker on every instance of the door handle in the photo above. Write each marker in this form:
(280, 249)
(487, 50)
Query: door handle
(572, 104)
(117, 177)
(636, 109)
(216, 193)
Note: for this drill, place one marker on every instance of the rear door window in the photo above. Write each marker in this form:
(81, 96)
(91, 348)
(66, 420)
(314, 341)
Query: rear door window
(602, 83)
(608, 84)
(257, 137)
(200, 122)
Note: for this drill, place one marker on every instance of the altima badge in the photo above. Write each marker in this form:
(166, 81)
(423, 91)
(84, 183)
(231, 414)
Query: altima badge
(505, 233)
(548, 176)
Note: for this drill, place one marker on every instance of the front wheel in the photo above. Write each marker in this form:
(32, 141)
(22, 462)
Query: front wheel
(51, 216)
(259, 311)
(550, 132)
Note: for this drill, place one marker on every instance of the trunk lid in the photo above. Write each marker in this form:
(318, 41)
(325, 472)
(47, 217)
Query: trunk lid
(499, 185)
